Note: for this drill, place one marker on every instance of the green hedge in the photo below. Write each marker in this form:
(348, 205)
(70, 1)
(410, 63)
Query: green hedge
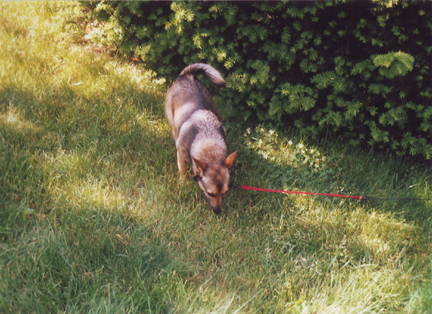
(359, 70)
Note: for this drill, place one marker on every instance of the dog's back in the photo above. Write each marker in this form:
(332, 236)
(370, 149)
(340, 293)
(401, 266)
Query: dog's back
(188, 95)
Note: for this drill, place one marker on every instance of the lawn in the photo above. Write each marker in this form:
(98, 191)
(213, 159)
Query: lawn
(94, 219)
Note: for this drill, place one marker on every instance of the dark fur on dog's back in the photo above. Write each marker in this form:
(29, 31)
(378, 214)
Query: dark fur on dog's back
(197, 128)
(188, 89)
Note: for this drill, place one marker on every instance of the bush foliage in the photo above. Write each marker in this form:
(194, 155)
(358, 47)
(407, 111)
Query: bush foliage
(358, 70)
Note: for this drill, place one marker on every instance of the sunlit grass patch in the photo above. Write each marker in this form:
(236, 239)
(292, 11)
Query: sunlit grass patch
(12, 118)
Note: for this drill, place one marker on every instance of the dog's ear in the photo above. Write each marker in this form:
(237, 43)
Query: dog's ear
(229, 160)
(201, 164)
(200, 168)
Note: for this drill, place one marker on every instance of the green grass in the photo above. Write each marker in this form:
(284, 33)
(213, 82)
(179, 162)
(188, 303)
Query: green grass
(93, 218)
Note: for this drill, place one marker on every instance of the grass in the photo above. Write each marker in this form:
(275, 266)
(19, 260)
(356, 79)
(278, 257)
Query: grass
(93, 218)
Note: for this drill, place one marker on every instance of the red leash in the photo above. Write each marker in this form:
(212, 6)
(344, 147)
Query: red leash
(245, 187)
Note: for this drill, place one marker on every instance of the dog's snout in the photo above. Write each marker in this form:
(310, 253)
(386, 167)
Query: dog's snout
(215, 203)
(217, 210)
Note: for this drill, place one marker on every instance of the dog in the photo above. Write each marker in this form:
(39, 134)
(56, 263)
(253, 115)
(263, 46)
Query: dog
(199, 134)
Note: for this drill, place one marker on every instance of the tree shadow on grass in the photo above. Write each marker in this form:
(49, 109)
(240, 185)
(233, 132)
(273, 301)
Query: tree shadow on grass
(353, 231)
(284, 162)
(77, 254)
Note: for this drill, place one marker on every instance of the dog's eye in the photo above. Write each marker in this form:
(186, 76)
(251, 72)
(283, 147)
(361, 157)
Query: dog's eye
(211, 194)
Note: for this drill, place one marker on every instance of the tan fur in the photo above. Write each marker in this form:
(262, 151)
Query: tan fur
(197, 128)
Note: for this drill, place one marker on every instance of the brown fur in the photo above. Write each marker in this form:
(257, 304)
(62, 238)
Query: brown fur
(197, 128)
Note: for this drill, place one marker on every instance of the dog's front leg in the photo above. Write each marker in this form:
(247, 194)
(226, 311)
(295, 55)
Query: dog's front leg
(181, 162)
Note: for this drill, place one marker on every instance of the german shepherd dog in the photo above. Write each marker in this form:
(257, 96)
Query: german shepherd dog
(198, 131)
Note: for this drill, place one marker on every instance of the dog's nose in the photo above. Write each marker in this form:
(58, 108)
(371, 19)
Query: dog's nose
(217, 210)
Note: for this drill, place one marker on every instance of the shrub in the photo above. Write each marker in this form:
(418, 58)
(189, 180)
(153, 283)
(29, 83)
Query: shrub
(358, 70)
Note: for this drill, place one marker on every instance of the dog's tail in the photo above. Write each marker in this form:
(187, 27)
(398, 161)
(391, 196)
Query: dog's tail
(207, 70)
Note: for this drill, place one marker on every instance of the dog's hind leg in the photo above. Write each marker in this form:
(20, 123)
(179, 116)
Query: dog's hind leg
(175, 133)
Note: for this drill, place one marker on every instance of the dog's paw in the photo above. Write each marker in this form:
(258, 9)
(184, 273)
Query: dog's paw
(183, 177)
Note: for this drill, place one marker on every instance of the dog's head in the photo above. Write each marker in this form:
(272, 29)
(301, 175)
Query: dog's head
(213, 179)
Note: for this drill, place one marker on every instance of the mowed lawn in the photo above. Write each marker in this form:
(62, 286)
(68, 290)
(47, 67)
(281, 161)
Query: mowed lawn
(93, 218)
